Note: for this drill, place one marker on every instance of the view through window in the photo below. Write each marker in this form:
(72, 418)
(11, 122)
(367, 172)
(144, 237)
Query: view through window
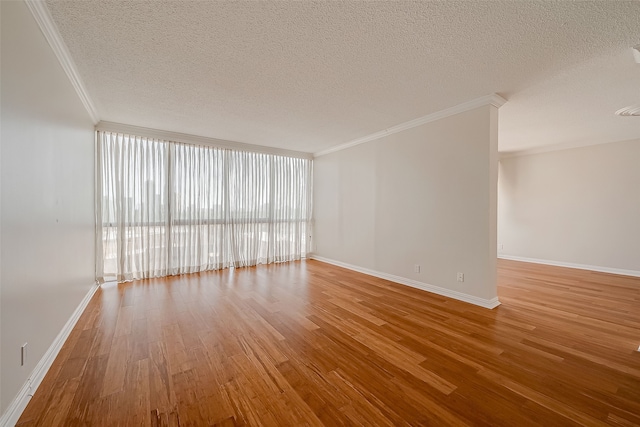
(170, 208)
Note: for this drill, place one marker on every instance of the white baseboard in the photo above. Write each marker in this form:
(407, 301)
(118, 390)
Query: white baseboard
(599, 269)
(14, 410)
(486, 303)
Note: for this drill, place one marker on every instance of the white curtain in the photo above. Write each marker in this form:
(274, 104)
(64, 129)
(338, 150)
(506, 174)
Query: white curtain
(168, 208)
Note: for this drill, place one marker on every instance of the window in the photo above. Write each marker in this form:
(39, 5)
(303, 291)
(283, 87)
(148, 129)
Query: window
(171, 208)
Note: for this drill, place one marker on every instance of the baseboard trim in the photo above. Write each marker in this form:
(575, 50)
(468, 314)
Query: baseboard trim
(19, 403)
(486, 303)
(620, 271)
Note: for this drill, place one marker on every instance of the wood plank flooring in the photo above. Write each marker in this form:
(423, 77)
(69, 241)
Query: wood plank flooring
(310, 344)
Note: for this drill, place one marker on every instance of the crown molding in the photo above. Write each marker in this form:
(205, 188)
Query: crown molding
(41, 13)
(557, 147)
(494, 99)
(630, 111)
(195, 140)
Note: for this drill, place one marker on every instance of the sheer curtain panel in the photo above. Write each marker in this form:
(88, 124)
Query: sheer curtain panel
(168, 208)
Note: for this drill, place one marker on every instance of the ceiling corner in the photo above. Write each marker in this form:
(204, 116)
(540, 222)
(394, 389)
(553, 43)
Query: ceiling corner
(50, 31)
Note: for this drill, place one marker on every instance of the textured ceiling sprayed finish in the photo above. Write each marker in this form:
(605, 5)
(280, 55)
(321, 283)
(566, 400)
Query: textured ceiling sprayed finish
(310, 75)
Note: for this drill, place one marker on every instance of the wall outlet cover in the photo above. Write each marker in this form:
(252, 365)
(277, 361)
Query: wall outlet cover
(23, 354)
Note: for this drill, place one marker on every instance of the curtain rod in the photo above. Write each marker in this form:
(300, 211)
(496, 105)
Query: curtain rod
(196, 140)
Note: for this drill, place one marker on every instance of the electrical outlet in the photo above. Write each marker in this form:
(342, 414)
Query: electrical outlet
(416, 268)
(460, 277)
(23, 354)
(500, 246)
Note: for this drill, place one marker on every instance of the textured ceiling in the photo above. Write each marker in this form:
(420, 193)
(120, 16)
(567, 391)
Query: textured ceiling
(311, 75)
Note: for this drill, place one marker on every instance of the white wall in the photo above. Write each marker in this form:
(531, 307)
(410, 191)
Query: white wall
(46, 198)
(579, 206)
(426, 195)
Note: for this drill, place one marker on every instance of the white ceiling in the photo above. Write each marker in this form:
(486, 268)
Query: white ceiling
(307, 76)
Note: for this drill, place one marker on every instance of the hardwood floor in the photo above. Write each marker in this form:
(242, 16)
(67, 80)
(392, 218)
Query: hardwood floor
(307, 343)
